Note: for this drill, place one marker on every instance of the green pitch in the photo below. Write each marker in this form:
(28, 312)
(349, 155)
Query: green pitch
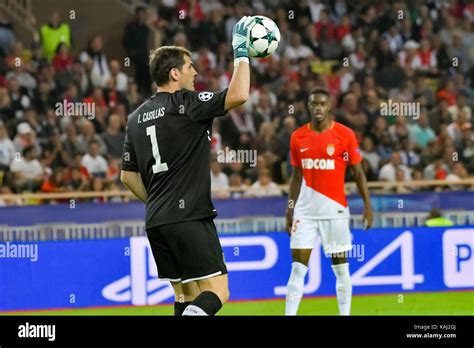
(448, 303)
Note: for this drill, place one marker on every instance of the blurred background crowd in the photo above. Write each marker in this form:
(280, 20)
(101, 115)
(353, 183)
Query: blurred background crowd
(363, 52)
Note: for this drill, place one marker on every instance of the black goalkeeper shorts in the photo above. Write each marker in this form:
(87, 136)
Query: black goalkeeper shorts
(187, 251)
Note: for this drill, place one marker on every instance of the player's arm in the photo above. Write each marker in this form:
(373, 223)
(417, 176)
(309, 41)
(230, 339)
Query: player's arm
(361, 182)
(293, 192)
(133, 181)
(239, 87)
(129, 174)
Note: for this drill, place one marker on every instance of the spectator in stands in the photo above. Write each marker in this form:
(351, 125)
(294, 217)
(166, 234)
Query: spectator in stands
(77, 181)
(436, 170)
(460, 106)
(420, 132)
(368, 153)
(388, 171)
(289, 125)
(5, 202)
(62, 60)
(113, 137)
(409, 59)
(97, 185)
(70, 140)
(458, 173)
(7, 149)
(456, 128)
(264, 186)
(58, 156)
(87, 135)
(409, 157)
(53, 33)
(427, 58)
(119, 79)
(385, 147)
(371, 105)
(267, 139)
(237, 185)
(27, 171)
(439, 115)
(44, 98)
(55, 182)
(369, 173)
(25, 137)
(329, 48)
(447, 91)
(460, 51)
(7, 36)
(135, 42)
(423, 90)
(393, 37)
(219, 180)
(240, 122)
(351, 115)
(19, 98)
(399, 129)
(77, 163)
(400, 177)
(296, 49)
(95, 164)
(358, 58)
(95, 57)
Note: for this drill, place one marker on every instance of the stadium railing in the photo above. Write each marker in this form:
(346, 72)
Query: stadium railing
(374, 187)
(22, 12)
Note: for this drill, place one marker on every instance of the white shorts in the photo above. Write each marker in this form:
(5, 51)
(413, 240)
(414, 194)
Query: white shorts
(334, 233)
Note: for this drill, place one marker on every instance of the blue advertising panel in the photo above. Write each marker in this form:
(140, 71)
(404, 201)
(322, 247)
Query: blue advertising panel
(72, 274)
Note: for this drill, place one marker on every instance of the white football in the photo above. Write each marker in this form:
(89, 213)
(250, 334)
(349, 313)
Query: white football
(263, 38)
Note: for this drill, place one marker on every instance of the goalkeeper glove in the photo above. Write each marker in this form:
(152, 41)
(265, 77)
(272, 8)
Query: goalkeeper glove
(240, 39)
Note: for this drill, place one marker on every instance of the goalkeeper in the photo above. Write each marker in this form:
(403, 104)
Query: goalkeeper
(165, 163)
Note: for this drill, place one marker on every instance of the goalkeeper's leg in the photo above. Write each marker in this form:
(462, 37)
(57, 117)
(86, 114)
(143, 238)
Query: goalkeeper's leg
(184, 294)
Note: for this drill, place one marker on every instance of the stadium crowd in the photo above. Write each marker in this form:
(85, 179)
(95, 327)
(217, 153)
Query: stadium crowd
(363, 52)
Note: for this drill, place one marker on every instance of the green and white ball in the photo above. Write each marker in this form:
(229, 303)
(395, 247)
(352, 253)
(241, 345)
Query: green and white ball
(264, 37)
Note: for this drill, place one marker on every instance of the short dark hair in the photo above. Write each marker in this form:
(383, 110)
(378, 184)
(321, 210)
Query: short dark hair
(165, 58)
(27, 150)
(93, 142)
(139, 8)
(319, 90)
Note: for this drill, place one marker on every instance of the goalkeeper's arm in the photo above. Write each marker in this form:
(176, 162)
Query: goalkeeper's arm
(133, 181)
(239, 87)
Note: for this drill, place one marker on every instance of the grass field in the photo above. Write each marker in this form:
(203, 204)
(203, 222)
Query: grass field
(448, 303)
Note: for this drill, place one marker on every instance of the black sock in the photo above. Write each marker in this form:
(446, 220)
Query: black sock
(208, 302)
(179, 308)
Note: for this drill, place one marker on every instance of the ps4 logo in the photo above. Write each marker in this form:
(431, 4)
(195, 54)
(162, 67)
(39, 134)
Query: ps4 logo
(142, 286)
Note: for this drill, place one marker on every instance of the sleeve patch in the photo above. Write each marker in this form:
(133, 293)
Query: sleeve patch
(205, 96)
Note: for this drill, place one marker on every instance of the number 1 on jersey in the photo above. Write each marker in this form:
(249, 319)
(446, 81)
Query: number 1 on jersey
(158, 166)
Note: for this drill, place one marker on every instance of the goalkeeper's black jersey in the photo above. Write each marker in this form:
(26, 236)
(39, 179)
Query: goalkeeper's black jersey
(168, 140)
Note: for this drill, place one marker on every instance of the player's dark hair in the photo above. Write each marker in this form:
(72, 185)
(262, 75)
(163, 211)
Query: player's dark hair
(165, 58)
(319, 90)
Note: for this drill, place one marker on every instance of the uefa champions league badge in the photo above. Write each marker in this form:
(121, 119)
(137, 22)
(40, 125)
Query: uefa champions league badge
(205, 96)
(330, 149)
